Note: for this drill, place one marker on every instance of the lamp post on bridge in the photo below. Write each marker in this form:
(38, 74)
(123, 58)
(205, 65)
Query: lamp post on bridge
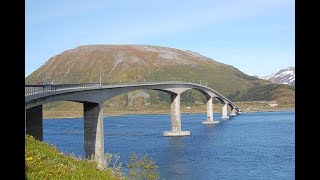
(100, 76)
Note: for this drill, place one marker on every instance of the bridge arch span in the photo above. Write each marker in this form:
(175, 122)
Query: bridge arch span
(102, 94)
(93, 95)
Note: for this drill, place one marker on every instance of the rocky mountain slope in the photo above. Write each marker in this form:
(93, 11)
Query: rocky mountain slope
(132, 63)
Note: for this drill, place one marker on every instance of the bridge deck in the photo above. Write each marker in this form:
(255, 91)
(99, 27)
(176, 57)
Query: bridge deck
(39, 89)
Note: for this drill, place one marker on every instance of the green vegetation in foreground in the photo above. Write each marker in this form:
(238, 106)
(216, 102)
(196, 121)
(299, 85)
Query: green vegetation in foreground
(46, 162)
(142, 168)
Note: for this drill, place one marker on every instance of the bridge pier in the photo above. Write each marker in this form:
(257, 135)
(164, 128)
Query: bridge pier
(175, 118)
(34, 121)
(234, 112)
(210, 113)
(94, 132)
(225, 112)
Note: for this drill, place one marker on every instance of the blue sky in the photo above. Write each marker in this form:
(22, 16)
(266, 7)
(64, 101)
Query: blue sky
(255, 36)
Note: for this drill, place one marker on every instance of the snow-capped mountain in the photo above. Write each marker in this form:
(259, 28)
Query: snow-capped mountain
(284, 76)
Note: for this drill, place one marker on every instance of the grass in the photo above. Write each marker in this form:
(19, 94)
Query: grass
(46, 162)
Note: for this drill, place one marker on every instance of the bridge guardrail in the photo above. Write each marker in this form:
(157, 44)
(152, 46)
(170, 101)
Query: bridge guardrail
(34, 89)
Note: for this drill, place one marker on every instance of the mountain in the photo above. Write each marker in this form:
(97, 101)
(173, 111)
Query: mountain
(130, 63)
(284, 76)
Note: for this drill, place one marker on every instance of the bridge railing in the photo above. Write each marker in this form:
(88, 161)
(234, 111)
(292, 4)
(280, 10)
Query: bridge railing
(34, 89)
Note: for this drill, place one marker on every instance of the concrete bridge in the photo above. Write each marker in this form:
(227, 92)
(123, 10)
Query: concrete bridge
(93, 96)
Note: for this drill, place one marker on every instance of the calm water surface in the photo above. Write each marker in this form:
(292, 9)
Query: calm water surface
(248, 146)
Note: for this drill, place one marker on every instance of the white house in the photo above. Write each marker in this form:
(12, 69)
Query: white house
(273, 104)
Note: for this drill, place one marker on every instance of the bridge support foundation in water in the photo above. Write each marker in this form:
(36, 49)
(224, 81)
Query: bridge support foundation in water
(234, 112)
(225, 112)
(210, 113)
(176, 118)
(94, 132)
(34, 125)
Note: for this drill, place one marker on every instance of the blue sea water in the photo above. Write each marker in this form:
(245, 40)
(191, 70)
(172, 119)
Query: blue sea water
(258, 145)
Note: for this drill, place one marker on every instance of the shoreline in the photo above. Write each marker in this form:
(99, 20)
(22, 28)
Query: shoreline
(123, 113)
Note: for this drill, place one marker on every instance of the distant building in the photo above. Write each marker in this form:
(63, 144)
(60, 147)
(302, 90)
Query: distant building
(273, 104)
(188, 109)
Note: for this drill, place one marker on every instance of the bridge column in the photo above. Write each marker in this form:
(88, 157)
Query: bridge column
(210, 113)
(94, 132)
(176, 118)
(225, 112)
(34, 125)
(234, 112)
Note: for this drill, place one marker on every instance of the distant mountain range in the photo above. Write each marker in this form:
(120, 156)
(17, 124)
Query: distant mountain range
(284, 76)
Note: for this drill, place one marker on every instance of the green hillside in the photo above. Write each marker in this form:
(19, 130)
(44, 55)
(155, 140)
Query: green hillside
(130, 63)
